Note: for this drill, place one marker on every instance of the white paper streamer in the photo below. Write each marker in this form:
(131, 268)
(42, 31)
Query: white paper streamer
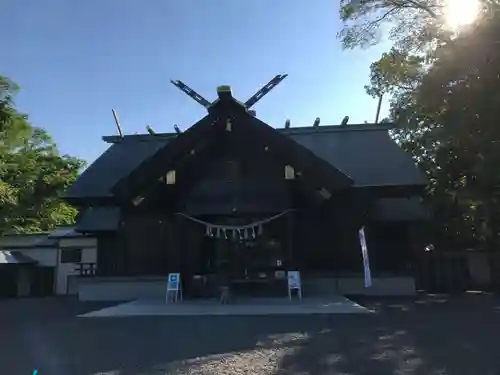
(243, 231)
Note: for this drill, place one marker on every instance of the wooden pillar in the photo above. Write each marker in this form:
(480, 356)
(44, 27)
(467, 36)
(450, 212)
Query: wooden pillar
(124, 245)
(290, 221)
(173, 244)
(180, 243)
(166, 235)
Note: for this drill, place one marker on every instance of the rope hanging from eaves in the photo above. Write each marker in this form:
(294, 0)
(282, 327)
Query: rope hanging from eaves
(235, 232)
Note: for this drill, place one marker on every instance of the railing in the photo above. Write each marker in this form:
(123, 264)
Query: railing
(86, 269)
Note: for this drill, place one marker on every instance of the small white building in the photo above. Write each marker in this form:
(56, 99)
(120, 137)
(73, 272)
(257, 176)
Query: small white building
(44, 263)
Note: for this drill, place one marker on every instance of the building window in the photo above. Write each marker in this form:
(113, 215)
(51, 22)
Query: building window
(73, 255)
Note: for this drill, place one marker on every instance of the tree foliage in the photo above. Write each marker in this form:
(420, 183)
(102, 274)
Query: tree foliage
(458, 103)
(445, 103)
(32, 173)
(396, 72)
(411, 24)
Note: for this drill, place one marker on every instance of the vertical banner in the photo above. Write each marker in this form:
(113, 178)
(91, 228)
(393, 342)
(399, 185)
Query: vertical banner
(366, 259)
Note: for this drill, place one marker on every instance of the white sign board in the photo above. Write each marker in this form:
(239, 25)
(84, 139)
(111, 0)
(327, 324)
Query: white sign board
(366, 259)
(174, 286)
(294, 283)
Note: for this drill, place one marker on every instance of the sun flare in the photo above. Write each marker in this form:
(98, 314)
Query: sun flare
(459, 13)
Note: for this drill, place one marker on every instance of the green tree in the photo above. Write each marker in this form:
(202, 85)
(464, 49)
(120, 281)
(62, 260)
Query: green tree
(460, 96)
(32, 173)
(444, 92)
(410, 24)
(448, 119)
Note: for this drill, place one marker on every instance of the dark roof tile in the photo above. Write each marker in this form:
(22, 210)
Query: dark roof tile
(97, 219)
(15, 257)
(115, 163)
(16, 242)
(370, 157)
(365, 153)
(64, 232)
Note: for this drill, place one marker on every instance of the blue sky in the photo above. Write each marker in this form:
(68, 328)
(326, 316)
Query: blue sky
(75, 60)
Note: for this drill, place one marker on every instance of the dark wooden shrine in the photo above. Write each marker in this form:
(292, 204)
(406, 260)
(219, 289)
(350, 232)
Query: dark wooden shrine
(142, 198)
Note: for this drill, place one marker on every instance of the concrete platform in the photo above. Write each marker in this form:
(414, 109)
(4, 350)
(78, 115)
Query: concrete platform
(246, 307)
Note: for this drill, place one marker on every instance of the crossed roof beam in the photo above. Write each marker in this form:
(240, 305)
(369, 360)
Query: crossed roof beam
(248, 104)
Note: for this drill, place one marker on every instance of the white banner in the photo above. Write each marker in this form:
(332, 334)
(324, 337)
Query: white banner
(366, 259)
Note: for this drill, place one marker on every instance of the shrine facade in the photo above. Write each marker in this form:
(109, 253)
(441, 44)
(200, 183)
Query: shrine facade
(233, 190)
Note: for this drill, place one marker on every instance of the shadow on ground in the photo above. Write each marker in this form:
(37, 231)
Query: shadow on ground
(428, 335)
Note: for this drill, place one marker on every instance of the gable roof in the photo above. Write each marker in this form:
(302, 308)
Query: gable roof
(365, 152)
(118, 161)
(27, 241)
(96, 219)
(64, 232)
(203, 136)
(15, 257)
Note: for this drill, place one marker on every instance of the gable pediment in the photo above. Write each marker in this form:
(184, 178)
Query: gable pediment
(245, 133)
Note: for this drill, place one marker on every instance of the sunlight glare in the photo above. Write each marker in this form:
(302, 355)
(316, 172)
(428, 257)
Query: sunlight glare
(459, 13)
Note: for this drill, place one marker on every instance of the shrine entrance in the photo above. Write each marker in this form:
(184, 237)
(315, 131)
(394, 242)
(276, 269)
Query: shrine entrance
(249, 253)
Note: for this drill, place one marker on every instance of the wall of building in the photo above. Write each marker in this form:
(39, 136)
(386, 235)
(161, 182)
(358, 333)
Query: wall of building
(479, 268)
(23, 282)
(26, 276)
(49, 257)
(121, 288)
(132, 288)
(45, 256)
(381, 286)
(66, 271)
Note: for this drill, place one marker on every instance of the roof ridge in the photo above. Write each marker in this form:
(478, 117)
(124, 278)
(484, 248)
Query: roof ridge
(336, 128)
(288, 131)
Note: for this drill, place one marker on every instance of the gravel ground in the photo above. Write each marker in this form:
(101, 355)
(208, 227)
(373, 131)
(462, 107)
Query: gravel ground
(429, 335)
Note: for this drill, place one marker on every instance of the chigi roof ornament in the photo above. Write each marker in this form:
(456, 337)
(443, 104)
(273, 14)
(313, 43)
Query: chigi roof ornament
(117, 122)
(150, 130)
(224, 92)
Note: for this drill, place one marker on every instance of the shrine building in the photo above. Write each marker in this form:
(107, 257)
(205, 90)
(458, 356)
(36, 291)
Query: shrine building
(261, 199)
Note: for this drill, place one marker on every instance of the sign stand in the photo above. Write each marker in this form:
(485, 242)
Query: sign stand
(294, 284)
(174, 286)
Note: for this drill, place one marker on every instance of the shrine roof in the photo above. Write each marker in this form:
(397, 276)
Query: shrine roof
(365, 152)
